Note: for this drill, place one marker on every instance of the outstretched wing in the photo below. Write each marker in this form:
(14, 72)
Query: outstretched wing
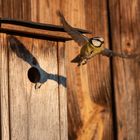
(77, 36)
(110, 53)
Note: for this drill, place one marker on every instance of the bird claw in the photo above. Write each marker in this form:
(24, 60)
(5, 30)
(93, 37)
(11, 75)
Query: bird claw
(38, 85)
(82, 63)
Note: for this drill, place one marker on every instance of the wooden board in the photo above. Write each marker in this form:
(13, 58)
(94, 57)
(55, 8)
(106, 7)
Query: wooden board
(125, 30)
(89, 91)
(34, 33)
(35, 29)
(62, 91)
(102, 97)
(33, 114)
(99, 74)
(4, 89)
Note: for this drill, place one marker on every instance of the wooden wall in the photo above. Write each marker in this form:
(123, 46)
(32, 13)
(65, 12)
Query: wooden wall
(125, 32)
(26, 113)
(101, 100)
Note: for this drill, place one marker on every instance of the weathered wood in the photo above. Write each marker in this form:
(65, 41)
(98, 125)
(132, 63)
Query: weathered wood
(35, 30)
(27, 113)
(62, 92)
(34, 33)
(34, 114)
(62, 124)
(4, 95)
(125, 31)
(88, 86)
(99, 76)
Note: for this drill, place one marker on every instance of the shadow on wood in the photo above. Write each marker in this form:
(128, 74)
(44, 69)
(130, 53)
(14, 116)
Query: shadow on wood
(35, 74)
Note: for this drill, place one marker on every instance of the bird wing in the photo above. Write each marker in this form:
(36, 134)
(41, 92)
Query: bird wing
(110, 53)
(77, 36)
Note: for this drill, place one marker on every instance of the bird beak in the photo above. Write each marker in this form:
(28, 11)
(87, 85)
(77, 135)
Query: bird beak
(102, 42)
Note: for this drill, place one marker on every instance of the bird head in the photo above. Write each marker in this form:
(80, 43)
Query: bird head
(97, 41)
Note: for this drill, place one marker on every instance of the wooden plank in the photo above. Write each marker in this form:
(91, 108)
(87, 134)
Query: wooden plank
(35, 113)
(44, 119)
(34, 33)
(125, 30)
(89, 100)
(99, 76)
(73, 72)
(41, 14)
(10, 6)
(4, 96)
(62, 92)
(29, 29)
(19, 87)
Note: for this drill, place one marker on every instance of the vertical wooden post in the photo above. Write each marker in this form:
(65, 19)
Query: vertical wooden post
(124, 21)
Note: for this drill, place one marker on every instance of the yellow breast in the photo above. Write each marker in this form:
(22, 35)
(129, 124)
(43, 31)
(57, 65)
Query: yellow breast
(89, 49)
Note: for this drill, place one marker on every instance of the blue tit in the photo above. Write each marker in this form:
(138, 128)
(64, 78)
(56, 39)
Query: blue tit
(89, 46)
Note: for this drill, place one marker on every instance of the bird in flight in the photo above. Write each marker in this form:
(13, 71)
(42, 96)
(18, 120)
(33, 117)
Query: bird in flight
(89, 46)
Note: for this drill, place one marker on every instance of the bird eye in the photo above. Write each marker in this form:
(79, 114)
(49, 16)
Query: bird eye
(96, 43)
(91, 52)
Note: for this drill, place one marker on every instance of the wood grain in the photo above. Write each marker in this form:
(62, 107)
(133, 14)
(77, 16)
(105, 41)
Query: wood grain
(95, 93)
(34, 114)
(99, 76)
(46, 16)
(4, 95)
(89, 91)
(26, 31)
(125, 32)
(62, 92)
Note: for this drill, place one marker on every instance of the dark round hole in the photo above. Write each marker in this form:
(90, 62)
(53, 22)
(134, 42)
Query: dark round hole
(34, 75)
(128, 44)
